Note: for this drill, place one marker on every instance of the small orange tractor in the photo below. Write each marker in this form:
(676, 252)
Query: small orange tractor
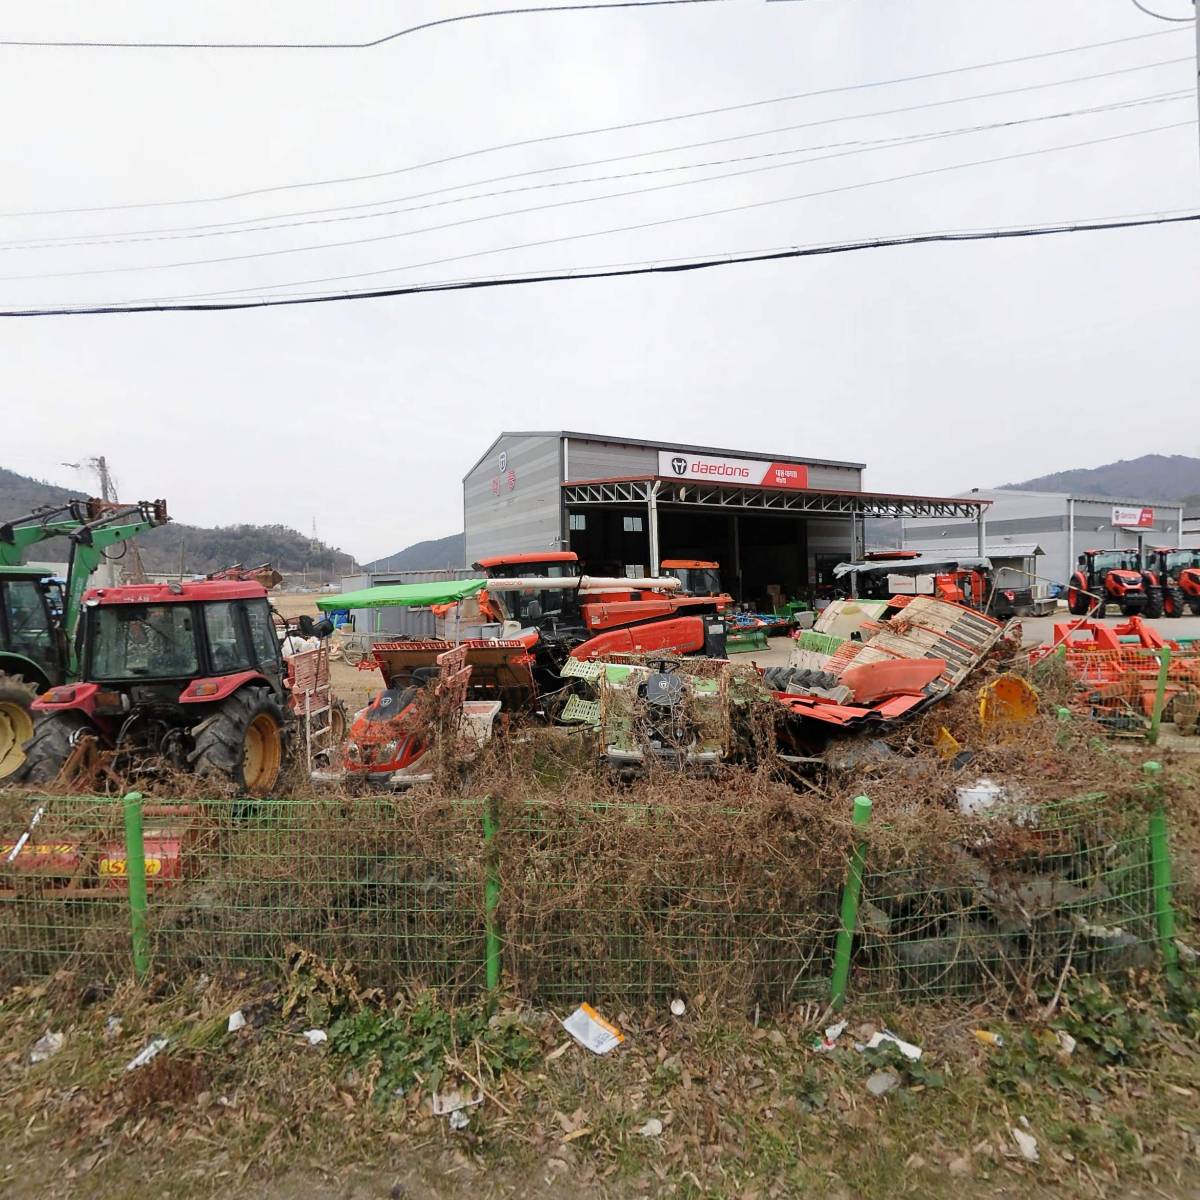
(1176, 574)
(1112, 577)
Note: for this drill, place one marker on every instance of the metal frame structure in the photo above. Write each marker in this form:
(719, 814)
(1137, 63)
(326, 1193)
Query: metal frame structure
(654, 491)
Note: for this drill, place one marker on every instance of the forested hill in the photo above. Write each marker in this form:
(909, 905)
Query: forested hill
(199, 549)
(1160, 477)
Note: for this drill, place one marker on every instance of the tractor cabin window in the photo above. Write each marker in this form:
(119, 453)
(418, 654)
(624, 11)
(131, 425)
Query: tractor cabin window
(29, 631)
(262, 633)
(226, 643)
(144, 641)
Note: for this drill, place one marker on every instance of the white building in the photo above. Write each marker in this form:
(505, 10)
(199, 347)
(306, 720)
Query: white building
(1063, 525)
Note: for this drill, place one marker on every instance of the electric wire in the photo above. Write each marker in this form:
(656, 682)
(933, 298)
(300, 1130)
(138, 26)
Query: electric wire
(561, 277)
(383, 237)
(681, 218)
(391, 37)
(1150, 13)
(760, 251)
(556, 137)
(246, 223)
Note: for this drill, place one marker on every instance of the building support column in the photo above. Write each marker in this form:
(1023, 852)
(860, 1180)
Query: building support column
(1070, 541)
(736, 539)
(981, 531)
(853, 555)
(652, 525)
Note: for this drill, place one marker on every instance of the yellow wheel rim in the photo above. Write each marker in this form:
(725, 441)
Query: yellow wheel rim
(16, 728)
(337, 726)
(262, 755)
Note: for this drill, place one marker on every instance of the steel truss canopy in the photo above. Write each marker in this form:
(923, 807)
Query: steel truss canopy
(648, 489)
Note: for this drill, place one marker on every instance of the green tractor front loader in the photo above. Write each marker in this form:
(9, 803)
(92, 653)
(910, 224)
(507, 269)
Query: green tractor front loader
(38, 615)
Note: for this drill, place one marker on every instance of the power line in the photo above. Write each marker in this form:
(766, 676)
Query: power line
(556, 137)
(1150, 13)
(660, 260)
(664, 221)
(390, 37)
(152, 234)
(860, 146)
(562, 277)
(383, 237)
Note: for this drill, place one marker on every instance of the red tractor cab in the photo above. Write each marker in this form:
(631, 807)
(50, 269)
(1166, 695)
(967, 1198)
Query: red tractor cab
(190, 674)
(1176, 573)
(1115, 577)
(696, 577)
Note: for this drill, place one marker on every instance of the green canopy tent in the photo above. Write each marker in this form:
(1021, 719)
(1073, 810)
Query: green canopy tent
(403, 595)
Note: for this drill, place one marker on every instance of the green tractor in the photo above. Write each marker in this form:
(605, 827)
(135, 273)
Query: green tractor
(38, 616)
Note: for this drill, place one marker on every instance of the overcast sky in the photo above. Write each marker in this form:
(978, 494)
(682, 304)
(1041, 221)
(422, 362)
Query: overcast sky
(941, 367)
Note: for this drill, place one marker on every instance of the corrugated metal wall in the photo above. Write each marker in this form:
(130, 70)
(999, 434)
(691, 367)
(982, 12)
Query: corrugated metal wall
(516, 510)
(609, 460)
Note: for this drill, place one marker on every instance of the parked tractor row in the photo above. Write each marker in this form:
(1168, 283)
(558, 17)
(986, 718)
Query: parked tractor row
(1161, 582)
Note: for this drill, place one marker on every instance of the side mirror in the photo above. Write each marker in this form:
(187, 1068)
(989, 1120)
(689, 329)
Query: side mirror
(305, 624)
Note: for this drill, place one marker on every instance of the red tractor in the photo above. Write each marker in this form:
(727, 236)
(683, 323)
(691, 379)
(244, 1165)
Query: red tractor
(1176, 574)
(190, 674)
(1115, 577)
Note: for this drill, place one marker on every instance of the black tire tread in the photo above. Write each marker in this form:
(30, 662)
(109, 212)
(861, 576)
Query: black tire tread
(47, 751)
(218, 742)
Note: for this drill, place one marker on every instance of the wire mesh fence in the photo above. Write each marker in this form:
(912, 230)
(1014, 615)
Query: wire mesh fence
(566, 899)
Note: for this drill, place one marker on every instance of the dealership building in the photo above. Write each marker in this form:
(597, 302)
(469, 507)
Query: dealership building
(1062, 525)
(777, 523)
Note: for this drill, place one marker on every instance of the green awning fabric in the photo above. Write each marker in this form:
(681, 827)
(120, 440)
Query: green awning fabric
(403, 595)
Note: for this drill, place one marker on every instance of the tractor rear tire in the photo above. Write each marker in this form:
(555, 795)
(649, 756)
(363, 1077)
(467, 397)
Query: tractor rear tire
(1194, 605)
(1173, 601)
(54, 736)
(1077, 603)
(243, 742)
(16, 722)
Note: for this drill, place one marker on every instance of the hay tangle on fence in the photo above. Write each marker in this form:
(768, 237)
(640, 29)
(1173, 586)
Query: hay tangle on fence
(727, 883)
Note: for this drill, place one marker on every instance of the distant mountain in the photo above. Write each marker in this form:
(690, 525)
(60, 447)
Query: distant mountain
(200, 550)
(433, 555)
(1159, 477)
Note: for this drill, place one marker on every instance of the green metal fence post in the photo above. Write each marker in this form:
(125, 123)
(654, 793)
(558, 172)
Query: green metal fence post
(491, 893)
(1160, 867)
(850, 897)
(1164, 669)
(135, 879)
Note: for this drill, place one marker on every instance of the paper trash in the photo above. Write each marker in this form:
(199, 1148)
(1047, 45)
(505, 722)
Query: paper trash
(911, 1052)
(832, 1033)
(47, 1046)
(315, 1037)
(146, 1055)
(237, 1020)
(592, 1031)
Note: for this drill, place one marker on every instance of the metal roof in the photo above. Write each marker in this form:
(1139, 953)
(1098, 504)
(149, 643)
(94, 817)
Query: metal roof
(940, 546)
(770, 455)
(627, 489)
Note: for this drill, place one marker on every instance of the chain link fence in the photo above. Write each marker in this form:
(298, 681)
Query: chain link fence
(564, 900)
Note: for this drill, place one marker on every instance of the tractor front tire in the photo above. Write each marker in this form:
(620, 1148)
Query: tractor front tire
(242, 743)
(1077, 603)
(1173, 601)
(16, 722)
(1154, 603)
(53, 741)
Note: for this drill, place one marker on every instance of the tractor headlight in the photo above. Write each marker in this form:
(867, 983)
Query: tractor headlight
(387, 751)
